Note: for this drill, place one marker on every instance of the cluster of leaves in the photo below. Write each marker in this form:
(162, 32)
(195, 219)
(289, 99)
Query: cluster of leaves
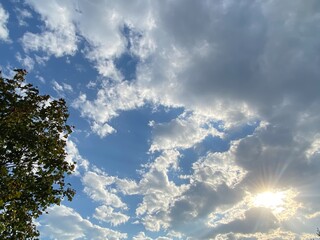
(33, 134)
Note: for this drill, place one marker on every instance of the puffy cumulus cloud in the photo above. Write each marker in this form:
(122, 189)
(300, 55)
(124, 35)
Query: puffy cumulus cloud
(110, 101)
(102, 31)
(141, 236)
(107, 68)
(275, 158)
(217, 200)
(272, 159)
(159, 192)
(127, 186)
(183, 132)
(106, 214)
(216, 169)
(228, 61)
(4, 32)
(59, 37)
(97, 186)
(190, 212)
(281, 210)
(168, 160)
(175, 235)
(57, 43)
(168, 206)
(103, 129)
(65, 223)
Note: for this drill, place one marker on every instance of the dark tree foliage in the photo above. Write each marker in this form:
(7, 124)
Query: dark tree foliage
(33, 130)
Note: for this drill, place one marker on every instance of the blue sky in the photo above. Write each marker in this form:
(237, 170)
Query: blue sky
(193, 119)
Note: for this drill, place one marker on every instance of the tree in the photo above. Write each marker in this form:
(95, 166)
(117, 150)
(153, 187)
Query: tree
(33, 166)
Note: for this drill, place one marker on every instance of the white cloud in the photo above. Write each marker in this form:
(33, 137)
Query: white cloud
(22, 15)
(142, 45)
(163, 238)
(56, 43)
(127, 186)
(108, 69)
(102, 129)
(314, 148)
(4, 32)
(216, 169)
(159, 192)
(110, 101)
(27, 62)
(102, 30)
(65, 223)
(97, 186)
(272, 235)
(73, 155)
(61, 88)
(175, 235)
(182, 132)
(60, 37)
(107, 214)
(141, 236)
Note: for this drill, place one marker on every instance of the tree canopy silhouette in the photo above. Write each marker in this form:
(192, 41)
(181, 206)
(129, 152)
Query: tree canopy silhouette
(33, 166)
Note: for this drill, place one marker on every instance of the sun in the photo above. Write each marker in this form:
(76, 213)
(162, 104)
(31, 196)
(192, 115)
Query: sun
(272, 200)
(282, 203)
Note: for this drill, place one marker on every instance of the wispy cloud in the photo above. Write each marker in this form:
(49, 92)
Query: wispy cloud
(4, 31)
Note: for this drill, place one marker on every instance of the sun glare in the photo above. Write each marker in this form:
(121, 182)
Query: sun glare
(282, 203)
(272, 200)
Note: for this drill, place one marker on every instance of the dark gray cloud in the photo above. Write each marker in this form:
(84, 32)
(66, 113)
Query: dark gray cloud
(197, 203)
(243, 51)
(255, 220)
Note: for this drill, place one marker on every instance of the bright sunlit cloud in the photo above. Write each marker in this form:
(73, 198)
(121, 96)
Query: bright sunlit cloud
(272, 200)
(282, 203)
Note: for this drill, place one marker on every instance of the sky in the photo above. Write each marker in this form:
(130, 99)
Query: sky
(193, 119)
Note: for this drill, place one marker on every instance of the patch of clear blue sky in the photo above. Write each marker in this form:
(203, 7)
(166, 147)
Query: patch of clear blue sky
(81, 200)
(127, 62)
(123, 152)
(212, 144)
(242, 131)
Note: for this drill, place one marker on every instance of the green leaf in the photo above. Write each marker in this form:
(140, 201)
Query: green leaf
(32, 156)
